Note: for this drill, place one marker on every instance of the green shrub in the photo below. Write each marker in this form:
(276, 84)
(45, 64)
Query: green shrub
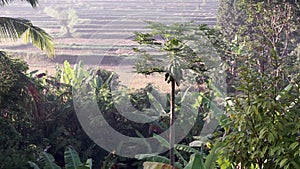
(262, 124)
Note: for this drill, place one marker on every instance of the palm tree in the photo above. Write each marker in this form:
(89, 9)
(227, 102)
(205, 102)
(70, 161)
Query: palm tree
(15, 28)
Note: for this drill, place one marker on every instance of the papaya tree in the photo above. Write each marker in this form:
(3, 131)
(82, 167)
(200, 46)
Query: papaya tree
(167, 50)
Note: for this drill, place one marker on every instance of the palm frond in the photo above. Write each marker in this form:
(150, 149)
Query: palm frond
(14, 28)
(33, 3)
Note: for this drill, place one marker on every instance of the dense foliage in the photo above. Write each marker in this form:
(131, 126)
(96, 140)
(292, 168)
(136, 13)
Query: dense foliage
(17, 144)
(258, 40)
(36, 115)
(262, 121)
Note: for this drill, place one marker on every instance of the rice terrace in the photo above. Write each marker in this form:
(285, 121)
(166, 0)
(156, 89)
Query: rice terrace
(100, 31)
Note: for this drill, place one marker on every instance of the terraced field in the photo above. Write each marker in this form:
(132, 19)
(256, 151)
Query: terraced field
(102, 30)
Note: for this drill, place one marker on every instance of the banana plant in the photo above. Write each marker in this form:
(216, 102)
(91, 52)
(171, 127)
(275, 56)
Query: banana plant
(197, 159)
(72, 161)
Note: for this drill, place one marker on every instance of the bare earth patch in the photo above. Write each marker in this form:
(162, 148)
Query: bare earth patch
(126, 75)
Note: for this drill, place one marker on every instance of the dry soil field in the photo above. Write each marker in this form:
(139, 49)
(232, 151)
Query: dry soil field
(101, 32)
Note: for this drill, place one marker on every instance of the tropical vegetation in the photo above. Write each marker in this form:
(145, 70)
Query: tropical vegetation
(243, 74)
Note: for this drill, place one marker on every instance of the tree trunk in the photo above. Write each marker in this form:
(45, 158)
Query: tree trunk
(172, 128)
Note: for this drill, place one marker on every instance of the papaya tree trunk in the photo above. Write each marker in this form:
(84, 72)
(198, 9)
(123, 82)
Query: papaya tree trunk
(172, 119)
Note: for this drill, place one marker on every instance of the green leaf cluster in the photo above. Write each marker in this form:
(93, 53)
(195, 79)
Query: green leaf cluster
(166, 50)
(262, 121)
(72, 161)
(196, 158)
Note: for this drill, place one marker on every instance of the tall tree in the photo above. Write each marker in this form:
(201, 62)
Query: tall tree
(262, 126)
(175, 51)
(241, 20)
